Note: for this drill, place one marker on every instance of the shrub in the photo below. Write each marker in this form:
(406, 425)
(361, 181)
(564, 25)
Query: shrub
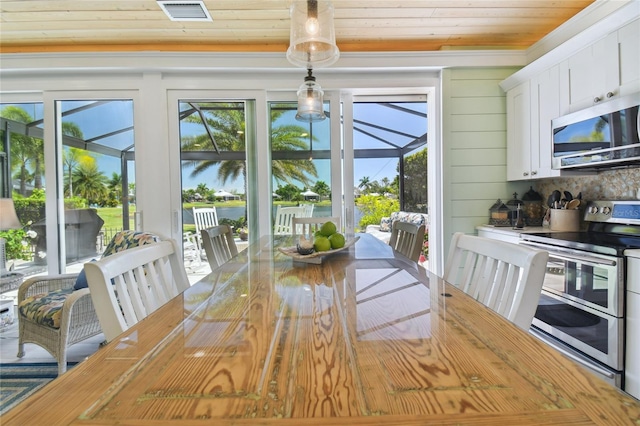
(374, 208)
(13, 244)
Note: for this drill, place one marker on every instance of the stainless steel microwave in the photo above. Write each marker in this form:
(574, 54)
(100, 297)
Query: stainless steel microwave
(606, 135)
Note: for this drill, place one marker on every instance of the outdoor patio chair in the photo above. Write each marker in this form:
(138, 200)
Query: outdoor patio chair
(308, 209)
(128, 287)
(505, 277)
(282, 225)
(56, 311)
(204, 217)
(192, 256)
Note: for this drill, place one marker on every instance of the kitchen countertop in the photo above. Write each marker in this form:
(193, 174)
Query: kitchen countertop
(511, 231)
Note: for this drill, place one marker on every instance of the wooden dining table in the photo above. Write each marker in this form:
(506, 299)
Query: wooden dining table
(367, 337)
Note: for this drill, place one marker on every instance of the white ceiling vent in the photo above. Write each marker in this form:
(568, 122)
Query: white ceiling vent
(185, 10)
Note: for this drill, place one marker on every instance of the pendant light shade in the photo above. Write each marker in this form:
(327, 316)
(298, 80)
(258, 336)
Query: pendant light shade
(310, 102)
(313, 38)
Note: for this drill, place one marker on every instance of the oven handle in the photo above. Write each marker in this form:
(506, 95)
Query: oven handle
(591, 366)
(564, 254)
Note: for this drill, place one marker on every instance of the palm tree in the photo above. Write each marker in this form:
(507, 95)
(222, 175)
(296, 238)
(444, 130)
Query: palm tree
(365, 183)
(115, 186)
(70, 160)
(90, 182)
(321, 188)
(71, 157)
(24, 149)
(228, 125)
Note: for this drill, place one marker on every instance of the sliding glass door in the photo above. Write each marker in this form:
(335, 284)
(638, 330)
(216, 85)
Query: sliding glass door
(300, 161)
(390, 157)
(72, 181)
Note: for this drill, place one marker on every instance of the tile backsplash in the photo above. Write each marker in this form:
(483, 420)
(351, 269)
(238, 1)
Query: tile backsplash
(622, 184)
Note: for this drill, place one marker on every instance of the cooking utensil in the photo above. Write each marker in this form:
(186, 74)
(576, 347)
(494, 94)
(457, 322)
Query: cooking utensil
(555, 199)
(568, 195)
(573, 204)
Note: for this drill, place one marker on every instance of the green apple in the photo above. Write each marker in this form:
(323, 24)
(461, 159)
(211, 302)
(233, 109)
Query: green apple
(321, 244)
(336, 240)
(328, 229)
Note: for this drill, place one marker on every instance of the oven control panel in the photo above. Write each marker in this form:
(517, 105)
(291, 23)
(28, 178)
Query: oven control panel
(625, 212)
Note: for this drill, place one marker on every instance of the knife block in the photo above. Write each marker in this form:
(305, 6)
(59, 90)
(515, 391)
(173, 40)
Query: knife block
(564, 220)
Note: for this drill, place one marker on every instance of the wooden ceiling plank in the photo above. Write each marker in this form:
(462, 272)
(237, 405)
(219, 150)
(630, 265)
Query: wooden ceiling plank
(249, 23)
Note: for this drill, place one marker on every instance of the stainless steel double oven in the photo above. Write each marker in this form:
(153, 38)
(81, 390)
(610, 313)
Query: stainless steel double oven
(581, 310)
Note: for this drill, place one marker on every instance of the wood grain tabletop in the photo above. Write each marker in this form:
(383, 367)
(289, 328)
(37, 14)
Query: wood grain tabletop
(367, 337)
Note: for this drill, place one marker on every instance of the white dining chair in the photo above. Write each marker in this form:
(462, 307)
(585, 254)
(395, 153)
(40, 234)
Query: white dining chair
(308, 226)
(503, 276)
(219, 245)
(128, 286)
(282, 222)
(407, 239)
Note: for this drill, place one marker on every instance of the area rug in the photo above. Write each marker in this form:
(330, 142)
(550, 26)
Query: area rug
(19, 380)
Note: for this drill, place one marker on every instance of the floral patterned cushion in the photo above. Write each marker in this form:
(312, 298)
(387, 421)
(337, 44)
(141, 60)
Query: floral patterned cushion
(45, 308)
(121, 241)
(385, 224)
(415, 218)
(127, 239)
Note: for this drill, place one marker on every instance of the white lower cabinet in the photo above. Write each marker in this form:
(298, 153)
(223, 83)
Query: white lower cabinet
(632, 353)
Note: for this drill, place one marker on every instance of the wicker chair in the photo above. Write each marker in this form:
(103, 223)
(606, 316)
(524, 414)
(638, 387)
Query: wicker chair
(54, 315)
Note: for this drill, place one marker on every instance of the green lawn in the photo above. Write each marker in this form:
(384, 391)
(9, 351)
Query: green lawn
(112, 216)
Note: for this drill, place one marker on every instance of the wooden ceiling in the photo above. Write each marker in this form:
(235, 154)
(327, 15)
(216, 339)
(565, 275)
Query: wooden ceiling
(263, 25)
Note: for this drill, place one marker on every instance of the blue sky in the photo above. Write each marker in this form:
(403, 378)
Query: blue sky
(106, 118)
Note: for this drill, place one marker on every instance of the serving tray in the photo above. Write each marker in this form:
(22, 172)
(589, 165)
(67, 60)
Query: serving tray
(315, 257)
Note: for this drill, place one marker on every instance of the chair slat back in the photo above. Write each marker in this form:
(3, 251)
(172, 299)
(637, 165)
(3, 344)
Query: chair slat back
(308, 226)
(308, 209)
(284, 215)
(503, 276)
(219, 245)
(407, 239)
(204, 217)
(128, 286)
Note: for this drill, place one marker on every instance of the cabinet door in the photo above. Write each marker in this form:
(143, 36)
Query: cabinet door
(632, 343)
(519, 132)
(628, 46)
(545, 106)
(590, 76)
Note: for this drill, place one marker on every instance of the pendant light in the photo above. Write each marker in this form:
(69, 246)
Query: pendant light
(312, 37)
(310, 102)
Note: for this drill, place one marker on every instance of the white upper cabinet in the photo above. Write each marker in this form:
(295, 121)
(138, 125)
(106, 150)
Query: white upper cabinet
(545, 106)
(530, 108)
(519, 153)
(605, 70)
(629, 51)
